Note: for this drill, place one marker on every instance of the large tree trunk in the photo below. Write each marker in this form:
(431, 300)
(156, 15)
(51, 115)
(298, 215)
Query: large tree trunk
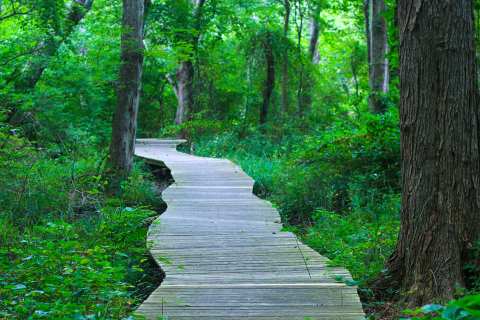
(269, 78)
(377, 50)
(286, 27)
(125, 118)
(440, 216)
(184, 84)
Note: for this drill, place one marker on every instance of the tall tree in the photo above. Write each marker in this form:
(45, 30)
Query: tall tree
(440, 215)
(303, 81)
(376, 30)
(269, 76)
(314, 35)
(124, 124)
(286, 27)
(313, 55)
(183, 83)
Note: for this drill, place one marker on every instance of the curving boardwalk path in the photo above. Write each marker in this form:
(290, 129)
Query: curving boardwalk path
(225, 256)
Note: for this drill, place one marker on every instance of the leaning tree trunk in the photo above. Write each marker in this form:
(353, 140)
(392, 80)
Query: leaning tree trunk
(376, 26)
(269, 78)
(286, 25)
(125, 118)
(440, 215)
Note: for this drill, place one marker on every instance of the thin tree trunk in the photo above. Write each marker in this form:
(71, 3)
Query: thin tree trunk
(314, 35)
(477, 33)
(186, 71)
(440, 216)
(366, 11)
(285, 62)
(301, 82)
(377, 48)
(314, 59)
(184, 91)
(269, 78)
(124, 124)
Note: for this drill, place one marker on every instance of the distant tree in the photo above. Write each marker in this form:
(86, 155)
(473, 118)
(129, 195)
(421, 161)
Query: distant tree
(303, 81)
(377, 44)
(124, 124)
(314, 35)
(439, 112)
(285, 62)
(183, 82)
(269, 76)
(313, 55)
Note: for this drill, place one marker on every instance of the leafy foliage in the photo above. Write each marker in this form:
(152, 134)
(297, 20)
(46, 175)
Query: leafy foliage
(66, 251)
(74, 270)
(467, 308)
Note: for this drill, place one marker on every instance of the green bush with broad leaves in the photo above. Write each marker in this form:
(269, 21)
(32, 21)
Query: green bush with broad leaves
(466, 308)
(74, 270)
(67, 251)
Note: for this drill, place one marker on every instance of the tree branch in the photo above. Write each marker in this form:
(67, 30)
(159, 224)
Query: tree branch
(173, 83)
(14, 13)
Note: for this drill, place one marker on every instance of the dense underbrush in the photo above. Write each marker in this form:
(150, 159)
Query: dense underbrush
(66, 250)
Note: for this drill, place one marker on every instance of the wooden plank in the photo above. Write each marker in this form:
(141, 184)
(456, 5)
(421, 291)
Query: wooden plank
(224, 254)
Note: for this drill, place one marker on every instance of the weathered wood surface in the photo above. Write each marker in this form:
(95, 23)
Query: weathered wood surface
(225, 256)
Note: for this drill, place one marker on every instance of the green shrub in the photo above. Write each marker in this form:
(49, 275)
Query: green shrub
(37, 183)
(361, 241)
(67, 252)
(466, 308)
(74, 270)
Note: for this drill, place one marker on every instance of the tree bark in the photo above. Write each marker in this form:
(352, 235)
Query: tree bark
(300, 16)
(377, 49)
(314, 35)
(185, 74)
(124, 124)
(269, 78)
(184, 91)
(285, 62)
(440, 216)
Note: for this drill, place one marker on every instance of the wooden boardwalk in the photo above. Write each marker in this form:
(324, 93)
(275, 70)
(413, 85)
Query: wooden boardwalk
(225, 256)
